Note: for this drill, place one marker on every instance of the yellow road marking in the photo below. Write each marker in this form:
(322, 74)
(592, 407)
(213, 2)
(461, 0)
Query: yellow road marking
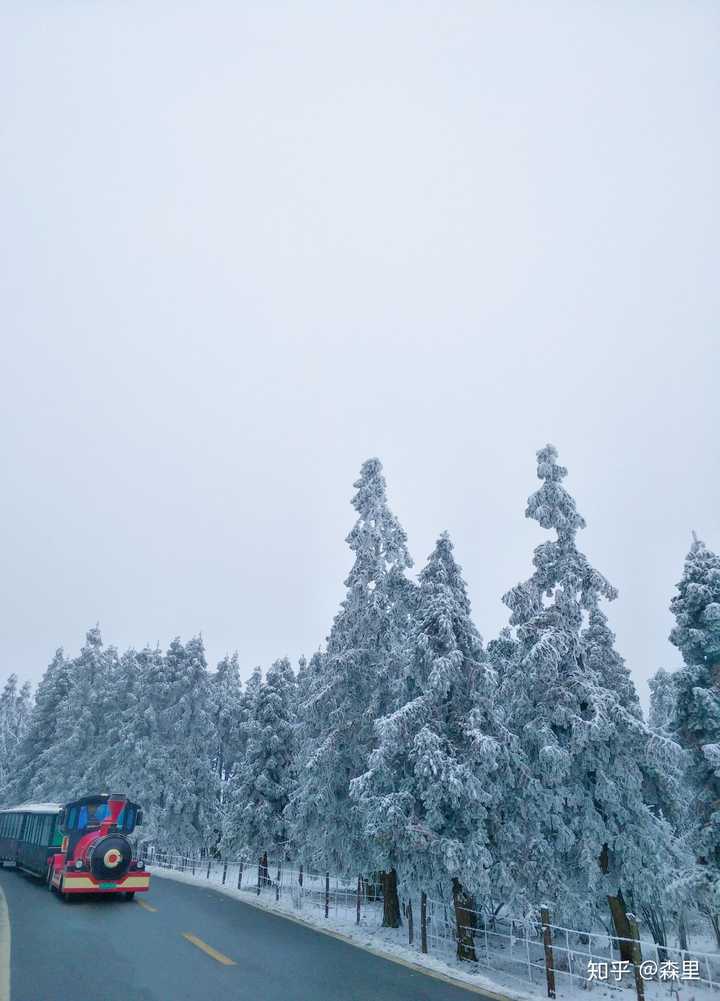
(427, 971)
(218, 956)
(147, 907)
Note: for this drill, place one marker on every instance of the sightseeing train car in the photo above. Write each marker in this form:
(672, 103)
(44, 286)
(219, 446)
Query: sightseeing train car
(81, 847)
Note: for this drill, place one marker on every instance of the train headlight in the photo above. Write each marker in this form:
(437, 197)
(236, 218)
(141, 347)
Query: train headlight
(140, 865)
(78, 863)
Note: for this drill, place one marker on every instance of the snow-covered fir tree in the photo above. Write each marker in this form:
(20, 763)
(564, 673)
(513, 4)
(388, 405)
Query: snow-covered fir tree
(426, 797)
(80, 725)
(263, 779)
(15, 708)
(225, 706)
(662, 700)
(696, 718)
(352, 681)
(35, 752)
(130, 729)
(184, 746)
(601, 657)
(580, 826)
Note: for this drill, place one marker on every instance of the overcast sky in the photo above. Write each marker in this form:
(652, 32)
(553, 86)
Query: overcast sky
(246, 246)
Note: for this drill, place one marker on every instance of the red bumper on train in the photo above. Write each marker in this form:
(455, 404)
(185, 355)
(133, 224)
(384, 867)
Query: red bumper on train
(72, 881)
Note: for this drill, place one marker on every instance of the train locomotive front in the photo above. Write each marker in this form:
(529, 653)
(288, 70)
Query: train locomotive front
(96, 854)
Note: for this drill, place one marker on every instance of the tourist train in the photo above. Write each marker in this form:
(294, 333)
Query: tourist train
(81, 847)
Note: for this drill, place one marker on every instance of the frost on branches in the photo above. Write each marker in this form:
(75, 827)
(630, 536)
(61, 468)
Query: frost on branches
(426, 797)
(350, 683)
(263, 779)
(696, 719)
(580, 826)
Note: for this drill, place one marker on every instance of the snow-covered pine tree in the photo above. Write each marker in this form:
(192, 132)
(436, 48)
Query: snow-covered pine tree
(263, 779)
(662, 700)
(248, 699)
(601, 657)
(696, 720)
(581, 829)
(351, 683)
(15, 706)
(180, 764)
(137, 767)
(225, 706)
(36, 748)
(426, 796)
(80, 728)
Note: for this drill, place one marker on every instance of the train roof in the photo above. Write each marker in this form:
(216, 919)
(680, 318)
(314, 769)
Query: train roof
(33, 808)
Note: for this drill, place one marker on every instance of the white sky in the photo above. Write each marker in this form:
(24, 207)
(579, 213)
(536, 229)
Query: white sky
(247, 245)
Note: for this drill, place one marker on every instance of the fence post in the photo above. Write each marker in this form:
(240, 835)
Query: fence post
(411, 929)
(208, 868)
(357, 900)
(224, 872)
(240, 872)
(549, 960)
(277, 883)
(327, 893)
(300, 877)
(423, 922)
(636, 955)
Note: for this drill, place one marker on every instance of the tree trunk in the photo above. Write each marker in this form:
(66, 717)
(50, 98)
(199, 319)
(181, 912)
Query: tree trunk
(682, 932)
(391, 902)
(465, 921)
(263, 875)
(423, 922)
(715, 922)
(622, 926)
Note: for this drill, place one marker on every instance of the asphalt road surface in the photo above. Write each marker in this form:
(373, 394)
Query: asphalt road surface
(187, 943)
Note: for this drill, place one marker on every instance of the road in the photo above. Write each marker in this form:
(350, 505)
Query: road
(187, 943)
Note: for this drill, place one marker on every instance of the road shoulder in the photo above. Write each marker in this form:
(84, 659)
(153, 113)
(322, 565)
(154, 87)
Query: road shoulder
(4, 948)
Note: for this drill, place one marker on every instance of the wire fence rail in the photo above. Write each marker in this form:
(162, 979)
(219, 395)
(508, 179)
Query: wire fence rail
(554, 959)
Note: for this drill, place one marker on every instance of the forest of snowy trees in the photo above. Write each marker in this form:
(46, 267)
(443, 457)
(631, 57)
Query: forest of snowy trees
(514, 773)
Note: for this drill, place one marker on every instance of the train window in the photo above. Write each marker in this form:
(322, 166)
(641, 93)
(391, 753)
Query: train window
(72, 819)
(3, 824)
(92, 813)
(55, 833)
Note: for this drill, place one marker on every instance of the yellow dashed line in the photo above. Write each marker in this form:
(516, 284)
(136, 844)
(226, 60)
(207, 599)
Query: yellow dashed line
(147, 907)
(218, 956)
